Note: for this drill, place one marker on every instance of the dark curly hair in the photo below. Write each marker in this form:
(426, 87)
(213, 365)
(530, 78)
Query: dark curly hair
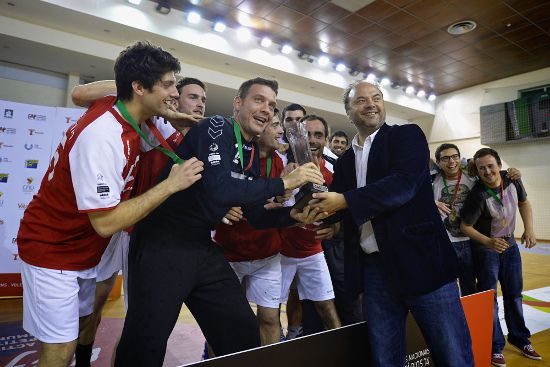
(144, 63)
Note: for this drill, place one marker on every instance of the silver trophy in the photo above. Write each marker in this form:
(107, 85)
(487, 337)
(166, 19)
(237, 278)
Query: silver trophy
(296, 133)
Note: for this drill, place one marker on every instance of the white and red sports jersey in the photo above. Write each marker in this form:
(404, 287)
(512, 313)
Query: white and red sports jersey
(93, 169)
(300, 242)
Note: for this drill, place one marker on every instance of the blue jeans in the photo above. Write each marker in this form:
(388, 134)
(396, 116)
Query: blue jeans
(492, 267)
(467, 278)
(439, 315)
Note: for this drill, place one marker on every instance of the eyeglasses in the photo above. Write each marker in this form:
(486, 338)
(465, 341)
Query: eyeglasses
(446, 158)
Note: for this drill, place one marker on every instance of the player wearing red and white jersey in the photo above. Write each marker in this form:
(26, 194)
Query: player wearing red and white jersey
(302, 253)
(81, 201)
(160, 132)
(254, 253)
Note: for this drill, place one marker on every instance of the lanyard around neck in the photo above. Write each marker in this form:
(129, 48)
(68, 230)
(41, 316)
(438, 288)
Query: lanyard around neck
(237, 130)
(124, 112)
(494, 195)
(453, 199)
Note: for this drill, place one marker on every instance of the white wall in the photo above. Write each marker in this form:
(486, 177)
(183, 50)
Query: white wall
(27, 85)
(457, 121)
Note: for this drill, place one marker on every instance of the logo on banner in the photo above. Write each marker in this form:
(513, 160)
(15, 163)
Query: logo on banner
(35, 132)
(29, 146)
(22, 206)
(70, 120)
(4, 145)
(35, 117)
(5, 160)
(4, 177)
(31, 163)
(8, 130)
(29, 187)
(1, 199)
(8, 114)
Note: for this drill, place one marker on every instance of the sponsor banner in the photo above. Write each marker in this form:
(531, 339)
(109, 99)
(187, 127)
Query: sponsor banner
(10, 285)
(28, 136)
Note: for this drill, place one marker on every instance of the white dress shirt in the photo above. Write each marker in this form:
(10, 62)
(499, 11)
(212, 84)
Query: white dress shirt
(367, 241)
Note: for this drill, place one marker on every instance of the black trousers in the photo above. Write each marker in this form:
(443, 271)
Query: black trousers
(164, 273)
(349, 310)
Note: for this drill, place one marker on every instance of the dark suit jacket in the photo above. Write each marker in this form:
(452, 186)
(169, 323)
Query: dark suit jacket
(415, 250)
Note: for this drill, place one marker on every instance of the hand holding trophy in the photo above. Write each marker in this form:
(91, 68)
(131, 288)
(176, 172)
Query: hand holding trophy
(296, 133)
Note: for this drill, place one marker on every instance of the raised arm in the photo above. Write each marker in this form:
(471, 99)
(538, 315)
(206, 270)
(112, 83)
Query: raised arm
(85, 94)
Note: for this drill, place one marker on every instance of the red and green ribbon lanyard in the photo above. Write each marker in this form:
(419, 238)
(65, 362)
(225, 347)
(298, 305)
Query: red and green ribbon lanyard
(456, 187)
(494, 194)
(237, 130)
(124, 112)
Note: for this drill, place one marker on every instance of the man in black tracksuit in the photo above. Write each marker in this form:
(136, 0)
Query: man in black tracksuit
(172, 257)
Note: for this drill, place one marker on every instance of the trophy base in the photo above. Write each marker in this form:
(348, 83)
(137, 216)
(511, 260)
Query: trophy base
(305, 195)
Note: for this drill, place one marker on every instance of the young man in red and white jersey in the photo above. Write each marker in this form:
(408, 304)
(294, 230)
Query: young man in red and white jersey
(191, 106)
(254, 253)
(302, 253)
(84, 199)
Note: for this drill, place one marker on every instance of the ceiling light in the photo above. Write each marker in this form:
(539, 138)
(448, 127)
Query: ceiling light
(420, 93)
(395, 85)
(265, 42)
(409, 90)
(353, 72)
(384, 82)
(462, 27)
(219, 27)
(134, 2)
(286, 49)
(244, 34)
(431, 98)
(193, 17)
(371, 78)
(340, 67)
(163, 7)
(323, 60)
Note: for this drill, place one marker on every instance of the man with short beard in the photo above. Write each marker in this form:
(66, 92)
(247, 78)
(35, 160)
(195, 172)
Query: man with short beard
(302, 253)
(338, 142)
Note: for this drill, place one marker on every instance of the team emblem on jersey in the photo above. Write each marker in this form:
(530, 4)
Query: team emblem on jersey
(213, 147)
(215, 129)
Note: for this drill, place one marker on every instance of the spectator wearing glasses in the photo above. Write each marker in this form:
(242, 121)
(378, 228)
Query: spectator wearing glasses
(451, 186)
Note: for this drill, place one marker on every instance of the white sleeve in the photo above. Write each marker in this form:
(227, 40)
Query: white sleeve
(97, 161)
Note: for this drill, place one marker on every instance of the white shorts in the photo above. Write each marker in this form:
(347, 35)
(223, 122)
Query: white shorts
(261, 280)
(313, 277)
(115, 257)
(53, 301)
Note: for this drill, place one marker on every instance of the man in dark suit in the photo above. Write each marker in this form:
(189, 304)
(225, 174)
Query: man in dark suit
(397, 251)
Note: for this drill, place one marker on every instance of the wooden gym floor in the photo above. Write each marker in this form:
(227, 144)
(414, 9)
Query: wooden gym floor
(536, 274)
